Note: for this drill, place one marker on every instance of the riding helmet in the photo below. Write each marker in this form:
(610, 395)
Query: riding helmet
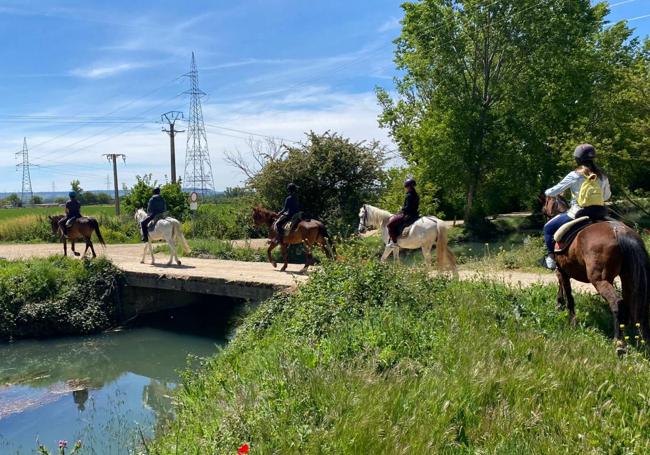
(292, 187)
(584, 152)
(72, 195)
(409, 182)
(156, 191)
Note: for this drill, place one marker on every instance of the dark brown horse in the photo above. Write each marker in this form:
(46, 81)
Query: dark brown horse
(81, 229)
(600, 253)
(308, 233)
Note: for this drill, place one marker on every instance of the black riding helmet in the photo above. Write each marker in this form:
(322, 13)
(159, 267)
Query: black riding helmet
(156, 191)
(410, 182)
(584, 152)
(292, 187)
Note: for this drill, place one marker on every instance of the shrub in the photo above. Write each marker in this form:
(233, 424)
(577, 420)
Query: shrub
(57, 296)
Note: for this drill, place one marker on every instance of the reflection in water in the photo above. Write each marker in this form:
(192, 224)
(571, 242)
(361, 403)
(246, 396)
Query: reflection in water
(100, 388)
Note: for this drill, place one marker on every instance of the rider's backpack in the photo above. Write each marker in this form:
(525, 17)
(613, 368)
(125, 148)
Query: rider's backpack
(591, 192)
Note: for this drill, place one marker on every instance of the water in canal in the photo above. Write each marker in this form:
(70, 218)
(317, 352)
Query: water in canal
(103, 389)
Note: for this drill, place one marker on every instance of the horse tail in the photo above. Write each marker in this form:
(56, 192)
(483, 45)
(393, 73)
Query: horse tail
(178, 233)
(635, 275)
(98, 233)
(443, 253)
(331, 248)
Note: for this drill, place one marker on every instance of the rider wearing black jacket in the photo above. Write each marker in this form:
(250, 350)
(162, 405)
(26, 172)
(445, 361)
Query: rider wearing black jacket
(408, 215)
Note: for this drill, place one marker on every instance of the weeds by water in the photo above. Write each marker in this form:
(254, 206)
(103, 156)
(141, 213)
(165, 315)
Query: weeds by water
(371, 358)
(56, 296)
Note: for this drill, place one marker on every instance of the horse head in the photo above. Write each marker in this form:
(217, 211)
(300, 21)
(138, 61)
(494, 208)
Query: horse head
(363, 219)
(262, 216)
(554, 205)
(140, 215)
(54, 222)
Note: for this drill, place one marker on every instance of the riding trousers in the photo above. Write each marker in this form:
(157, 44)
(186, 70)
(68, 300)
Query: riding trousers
(552, 227)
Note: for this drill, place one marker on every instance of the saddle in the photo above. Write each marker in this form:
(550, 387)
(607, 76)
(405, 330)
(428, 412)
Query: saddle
(568, 232)
(152, 224)
(292, 223)
(404, 228)
(70, 222)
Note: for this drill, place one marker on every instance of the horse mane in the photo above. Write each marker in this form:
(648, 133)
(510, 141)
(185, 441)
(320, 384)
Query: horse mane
(375, 215)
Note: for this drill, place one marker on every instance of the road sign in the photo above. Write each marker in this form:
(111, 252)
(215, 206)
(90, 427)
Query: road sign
(194, 200)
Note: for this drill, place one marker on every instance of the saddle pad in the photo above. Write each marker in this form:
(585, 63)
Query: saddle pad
(152, 223)
(568, 227)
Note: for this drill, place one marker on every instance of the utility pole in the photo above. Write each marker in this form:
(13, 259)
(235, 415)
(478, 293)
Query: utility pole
(26, 193)
(112, 158)
(170, 118)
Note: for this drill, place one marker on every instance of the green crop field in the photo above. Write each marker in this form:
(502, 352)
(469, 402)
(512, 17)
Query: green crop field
(91, 210)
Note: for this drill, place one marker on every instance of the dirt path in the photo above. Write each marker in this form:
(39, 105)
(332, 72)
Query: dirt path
(127, 257)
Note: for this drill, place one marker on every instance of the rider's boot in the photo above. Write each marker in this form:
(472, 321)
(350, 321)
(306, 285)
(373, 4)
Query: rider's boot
(549, 262)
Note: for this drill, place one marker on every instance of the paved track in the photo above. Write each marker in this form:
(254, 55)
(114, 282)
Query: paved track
(127, 257)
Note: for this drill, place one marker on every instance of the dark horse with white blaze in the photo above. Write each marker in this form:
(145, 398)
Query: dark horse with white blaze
(601, 252)
(81, 229)
(309, 233)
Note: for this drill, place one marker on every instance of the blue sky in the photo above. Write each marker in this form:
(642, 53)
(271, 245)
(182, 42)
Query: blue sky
(271, 67)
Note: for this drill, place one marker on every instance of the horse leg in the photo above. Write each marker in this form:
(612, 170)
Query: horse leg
(308, 257)
(285, 256)
(426, 252)
(616, 305)
(72, 248)
(268, 252)
(565, 296)
(92, 248)
(86, 249)
(153, 259)
(387, 252)
(144, 253)
(65, 246)
(396, 255)
(172, 251)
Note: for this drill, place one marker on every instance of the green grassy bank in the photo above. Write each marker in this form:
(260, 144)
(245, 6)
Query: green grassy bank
(56, 296)
(367, 358)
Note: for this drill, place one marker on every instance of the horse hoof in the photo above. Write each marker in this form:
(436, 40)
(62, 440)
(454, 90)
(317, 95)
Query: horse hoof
(178, 262)
(283, 269)
(274, 264)
(77, 254)
(141, 262)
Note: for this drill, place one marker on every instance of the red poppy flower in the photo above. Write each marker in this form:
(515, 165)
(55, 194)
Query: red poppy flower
(243, 449)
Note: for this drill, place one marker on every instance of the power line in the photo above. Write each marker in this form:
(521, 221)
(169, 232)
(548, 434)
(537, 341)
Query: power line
(119, 108)
(251, 133)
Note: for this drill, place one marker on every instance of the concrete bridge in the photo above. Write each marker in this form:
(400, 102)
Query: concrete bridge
(151, 288)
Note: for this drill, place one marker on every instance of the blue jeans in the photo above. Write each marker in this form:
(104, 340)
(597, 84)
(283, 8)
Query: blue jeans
(552, 227)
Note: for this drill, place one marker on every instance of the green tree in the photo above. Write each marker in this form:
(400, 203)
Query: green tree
(488, 87)
(13, 200)
(335, 176)
(36, 200)
(139, 195)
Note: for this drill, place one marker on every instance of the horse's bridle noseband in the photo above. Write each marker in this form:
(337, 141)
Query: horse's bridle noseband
(365, 218)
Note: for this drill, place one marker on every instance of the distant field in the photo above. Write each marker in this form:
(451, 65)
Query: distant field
(92, 210)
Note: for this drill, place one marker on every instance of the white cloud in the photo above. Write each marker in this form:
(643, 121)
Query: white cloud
(147, 148)
(390, 25)
(101, 71)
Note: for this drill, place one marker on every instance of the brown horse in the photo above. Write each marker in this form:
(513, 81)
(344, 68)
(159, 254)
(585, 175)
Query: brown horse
(600, 253)
(309, 233)
(81, 229)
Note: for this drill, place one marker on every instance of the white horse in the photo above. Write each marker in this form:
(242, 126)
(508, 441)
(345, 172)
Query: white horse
(168, 229)
(424, 233)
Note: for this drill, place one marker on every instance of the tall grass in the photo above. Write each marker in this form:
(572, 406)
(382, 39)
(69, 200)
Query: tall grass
(370, 358)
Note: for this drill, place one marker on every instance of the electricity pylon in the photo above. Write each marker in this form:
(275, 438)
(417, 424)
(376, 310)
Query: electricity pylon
(26, 193)
(198, 169)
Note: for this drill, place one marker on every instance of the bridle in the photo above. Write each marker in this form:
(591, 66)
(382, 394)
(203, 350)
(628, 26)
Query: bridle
(364, 220)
